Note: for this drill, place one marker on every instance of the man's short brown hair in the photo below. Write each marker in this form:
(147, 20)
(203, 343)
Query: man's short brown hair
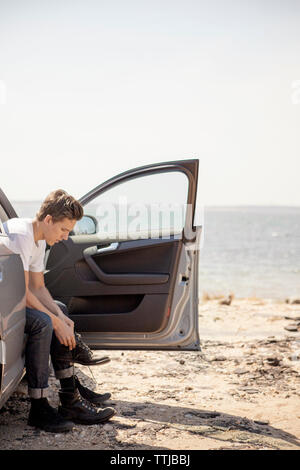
(59, 204)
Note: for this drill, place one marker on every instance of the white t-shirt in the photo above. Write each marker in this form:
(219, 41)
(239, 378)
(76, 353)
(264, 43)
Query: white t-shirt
(20, 240)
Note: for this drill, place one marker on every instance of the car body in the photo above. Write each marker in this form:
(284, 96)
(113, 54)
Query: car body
(125, 290)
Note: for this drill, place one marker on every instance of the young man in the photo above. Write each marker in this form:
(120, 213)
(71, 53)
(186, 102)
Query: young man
(49, 329)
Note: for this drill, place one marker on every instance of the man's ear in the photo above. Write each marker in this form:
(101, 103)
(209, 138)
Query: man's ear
(48, 219)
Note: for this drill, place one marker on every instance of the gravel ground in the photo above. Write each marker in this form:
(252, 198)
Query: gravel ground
(240, 392)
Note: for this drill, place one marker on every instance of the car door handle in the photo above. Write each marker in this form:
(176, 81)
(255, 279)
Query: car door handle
(111, 247)
(120, 279)
(95, 250)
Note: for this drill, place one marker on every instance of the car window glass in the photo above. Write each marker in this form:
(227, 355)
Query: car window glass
(149, 204)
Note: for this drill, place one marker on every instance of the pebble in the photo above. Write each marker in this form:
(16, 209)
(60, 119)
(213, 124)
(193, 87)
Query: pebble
(273, 361)
(227, 300)
(219, 358)
(189, 415)
(108, 427)
(250, 390)
(240, 371)
(131, 432)
(291, 328)
(294, 300)
(263, 423)
(271, 340)
(294, 357)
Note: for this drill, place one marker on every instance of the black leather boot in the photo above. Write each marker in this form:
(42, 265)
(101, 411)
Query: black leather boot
(44, 416)
(78, 410)
(83, 355)
(89, 395)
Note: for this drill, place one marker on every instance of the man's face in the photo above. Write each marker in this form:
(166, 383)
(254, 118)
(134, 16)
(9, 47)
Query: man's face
(55, 232)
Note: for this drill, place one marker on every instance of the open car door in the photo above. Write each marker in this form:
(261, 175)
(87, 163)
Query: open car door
(129, 271)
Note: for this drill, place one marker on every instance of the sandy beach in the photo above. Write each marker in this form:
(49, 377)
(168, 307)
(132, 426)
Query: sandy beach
(240, 392)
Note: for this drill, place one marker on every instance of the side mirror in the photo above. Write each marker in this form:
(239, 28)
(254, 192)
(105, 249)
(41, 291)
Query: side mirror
(88, 225)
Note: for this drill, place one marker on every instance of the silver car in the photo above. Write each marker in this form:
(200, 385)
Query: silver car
(128, 283)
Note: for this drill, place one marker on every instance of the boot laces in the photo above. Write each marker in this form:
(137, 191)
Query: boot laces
(88, 405)
(83, 345)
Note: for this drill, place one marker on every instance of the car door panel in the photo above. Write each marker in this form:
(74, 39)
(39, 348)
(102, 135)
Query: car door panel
(93, 260)
(180, 330)
(94, 304)
(143, 259)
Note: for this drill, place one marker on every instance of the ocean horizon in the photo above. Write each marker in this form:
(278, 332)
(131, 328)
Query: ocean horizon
(249, 251)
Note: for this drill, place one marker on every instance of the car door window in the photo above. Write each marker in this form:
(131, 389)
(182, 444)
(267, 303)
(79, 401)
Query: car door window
(144, 207)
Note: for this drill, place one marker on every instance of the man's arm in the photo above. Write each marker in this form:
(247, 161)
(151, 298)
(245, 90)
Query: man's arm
(38, 288)
(35, 285)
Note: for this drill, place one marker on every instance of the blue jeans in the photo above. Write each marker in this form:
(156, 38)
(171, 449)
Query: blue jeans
(41, 342)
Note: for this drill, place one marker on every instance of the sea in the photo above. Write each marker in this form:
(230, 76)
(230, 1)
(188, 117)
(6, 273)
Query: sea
(250, 252)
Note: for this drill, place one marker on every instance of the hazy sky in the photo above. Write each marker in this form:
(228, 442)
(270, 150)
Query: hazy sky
(91, 88)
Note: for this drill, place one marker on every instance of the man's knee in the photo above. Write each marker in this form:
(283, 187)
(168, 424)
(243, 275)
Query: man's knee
(38, 322)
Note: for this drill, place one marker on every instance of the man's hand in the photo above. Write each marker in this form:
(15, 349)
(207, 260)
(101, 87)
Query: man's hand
(66, 319)
(35, 285)
(64, 332)
(38, 297)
